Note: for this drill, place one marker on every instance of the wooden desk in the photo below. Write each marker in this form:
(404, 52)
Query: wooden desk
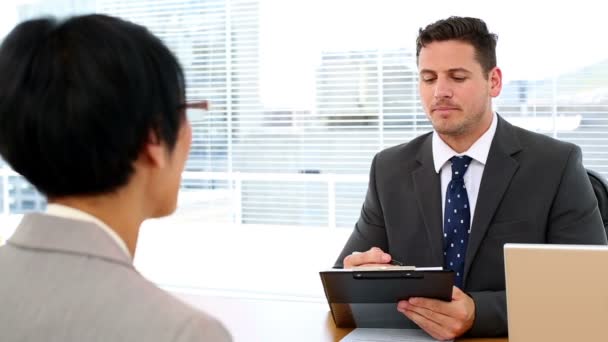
(273, 320)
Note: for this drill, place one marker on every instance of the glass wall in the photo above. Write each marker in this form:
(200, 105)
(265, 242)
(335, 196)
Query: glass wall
(303, 94)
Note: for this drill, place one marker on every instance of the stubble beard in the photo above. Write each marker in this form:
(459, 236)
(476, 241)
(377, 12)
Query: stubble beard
(459, 128)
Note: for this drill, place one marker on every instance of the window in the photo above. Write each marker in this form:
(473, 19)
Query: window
(303, 94)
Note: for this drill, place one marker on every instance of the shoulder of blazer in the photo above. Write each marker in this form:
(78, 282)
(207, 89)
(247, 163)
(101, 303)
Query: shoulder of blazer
(528, 138)
(408, 151)
(534, 141)
(42, 232)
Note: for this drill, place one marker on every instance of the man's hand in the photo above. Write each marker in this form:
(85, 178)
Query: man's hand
(442, 320)
(372, 257)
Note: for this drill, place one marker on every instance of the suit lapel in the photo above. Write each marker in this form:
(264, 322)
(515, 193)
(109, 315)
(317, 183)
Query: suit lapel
(427, 189)
(498, 172)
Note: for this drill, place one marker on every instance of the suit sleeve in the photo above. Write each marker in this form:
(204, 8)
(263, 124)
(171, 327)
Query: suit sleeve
(490, 314)
(369, 230)
(574, 218)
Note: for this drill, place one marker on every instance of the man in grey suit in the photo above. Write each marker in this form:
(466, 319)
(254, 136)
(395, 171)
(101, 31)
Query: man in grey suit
(92, 113)
(455, 196)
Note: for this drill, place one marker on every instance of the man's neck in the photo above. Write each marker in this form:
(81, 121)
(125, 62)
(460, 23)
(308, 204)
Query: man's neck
(463, 142)
(459, 144)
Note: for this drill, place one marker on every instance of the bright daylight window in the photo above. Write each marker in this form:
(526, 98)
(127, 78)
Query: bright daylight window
(303, 93)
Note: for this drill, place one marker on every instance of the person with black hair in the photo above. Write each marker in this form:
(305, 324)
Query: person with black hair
(92, 114)
(453, 197)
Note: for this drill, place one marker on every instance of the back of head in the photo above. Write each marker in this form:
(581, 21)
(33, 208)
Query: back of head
(81, 97)
(466, 29)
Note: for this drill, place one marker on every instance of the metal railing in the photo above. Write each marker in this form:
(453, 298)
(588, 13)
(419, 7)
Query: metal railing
(234, 183)
(232, 187)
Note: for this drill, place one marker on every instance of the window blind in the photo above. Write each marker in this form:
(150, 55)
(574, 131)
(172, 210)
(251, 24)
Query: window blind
(254, 162)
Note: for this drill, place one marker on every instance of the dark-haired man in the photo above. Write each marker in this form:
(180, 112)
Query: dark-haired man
(92, 113)
(455, 196)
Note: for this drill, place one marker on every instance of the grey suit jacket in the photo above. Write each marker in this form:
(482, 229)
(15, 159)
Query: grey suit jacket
(534, 189)
(66, 281)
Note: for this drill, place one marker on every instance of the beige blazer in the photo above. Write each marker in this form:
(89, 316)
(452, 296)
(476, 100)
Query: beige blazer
(65, 280)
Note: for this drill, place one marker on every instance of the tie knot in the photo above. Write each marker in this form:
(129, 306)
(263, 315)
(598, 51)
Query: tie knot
(460, 164)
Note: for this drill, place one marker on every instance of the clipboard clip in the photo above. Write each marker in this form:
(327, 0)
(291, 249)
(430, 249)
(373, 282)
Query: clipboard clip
(388, 275)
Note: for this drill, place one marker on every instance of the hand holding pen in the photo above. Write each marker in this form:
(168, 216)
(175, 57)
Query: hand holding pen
(373, 257)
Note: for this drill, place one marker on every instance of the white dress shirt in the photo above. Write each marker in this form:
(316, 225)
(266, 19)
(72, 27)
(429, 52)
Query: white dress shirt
(472, 178)
(60, 210)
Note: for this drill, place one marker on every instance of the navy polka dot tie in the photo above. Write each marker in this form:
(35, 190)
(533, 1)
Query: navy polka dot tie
(457, 219)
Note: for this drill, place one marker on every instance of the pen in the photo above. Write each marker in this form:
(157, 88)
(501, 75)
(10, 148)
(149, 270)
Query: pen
(395, 262)
(392, 262)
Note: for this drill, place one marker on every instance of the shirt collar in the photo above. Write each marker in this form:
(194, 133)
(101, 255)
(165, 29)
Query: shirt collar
(61, 210)
(478, 151)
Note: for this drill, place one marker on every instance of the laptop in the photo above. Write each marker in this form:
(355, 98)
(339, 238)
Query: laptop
(556, 292)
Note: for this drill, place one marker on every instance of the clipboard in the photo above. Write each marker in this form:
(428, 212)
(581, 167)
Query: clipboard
(367, 297)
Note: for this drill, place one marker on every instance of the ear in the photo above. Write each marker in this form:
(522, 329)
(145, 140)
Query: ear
(154, 152)
(495, 80)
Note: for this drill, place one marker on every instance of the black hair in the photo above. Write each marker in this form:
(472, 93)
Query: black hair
(80, 98)
(466, 29)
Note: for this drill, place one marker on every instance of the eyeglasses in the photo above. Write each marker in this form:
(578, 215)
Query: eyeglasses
(203, 105)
